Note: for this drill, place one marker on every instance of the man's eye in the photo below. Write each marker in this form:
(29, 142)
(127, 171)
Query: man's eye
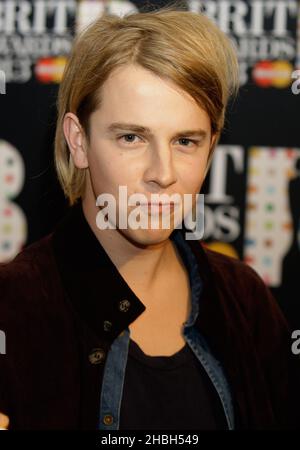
(187, 140)
(130, 136)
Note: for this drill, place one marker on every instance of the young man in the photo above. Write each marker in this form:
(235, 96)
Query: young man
(138, 328)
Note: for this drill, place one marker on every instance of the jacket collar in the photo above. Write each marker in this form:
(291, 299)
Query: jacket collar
(92, 283)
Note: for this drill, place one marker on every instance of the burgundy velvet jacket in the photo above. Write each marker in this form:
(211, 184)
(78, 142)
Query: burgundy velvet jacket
(56, 295)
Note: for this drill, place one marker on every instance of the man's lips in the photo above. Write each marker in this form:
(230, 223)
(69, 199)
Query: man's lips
(159, 207)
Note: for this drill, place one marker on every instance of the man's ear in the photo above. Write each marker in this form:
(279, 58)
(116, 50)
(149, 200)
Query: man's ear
(75, 138)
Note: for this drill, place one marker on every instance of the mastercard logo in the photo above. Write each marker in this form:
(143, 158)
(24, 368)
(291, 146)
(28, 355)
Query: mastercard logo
(50, 70)
(277, 74)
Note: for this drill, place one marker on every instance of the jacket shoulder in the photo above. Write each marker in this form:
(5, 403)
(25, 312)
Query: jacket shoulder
(228, 267)
(26, 272)
(237, 280)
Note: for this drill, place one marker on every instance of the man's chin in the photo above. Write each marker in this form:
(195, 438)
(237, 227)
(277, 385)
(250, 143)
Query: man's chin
(146, 237)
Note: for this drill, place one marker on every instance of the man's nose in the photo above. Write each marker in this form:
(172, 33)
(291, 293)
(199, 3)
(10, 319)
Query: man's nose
(161, 168)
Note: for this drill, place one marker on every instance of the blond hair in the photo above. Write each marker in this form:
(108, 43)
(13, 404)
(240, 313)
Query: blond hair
(182, 46)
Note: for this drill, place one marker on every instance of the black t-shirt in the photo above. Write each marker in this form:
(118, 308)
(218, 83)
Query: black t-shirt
(168, 393)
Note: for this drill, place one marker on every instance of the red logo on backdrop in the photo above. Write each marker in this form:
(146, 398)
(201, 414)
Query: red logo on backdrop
(276, 74)
(50, 70)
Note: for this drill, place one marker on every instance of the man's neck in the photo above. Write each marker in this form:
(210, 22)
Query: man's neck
(141, 266)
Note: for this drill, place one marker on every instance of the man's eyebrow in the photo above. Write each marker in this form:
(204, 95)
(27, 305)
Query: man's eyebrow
(115, 126)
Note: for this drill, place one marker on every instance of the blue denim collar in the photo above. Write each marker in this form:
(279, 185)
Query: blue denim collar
(192, 269)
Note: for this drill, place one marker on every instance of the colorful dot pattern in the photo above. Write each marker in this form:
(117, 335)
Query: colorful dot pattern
(13, 224)
(268, 221)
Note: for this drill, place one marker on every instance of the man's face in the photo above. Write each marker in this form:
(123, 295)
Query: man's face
(164, 160)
